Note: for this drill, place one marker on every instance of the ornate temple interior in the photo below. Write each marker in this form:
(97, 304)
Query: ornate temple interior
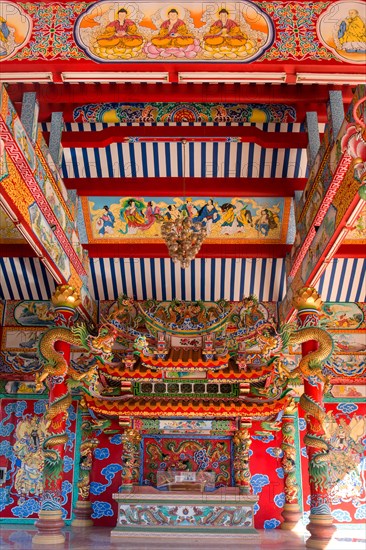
(182, 274)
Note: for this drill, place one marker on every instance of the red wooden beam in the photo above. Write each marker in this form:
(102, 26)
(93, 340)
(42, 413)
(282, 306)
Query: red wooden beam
(160, 250)
(66, 97)
(17, 251)
(123, 134)
(351, 251)
(170, 187)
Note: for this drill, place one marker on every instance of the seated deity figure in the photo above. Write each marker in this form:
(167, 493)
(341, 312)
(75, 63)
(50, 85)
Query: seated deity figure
(352, 33)
(226, 32)
(120, 33)
(173, 33)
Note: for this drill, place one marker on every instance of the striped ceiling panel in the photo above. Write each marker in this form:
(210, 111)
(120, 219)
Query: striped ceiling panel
(344, 280)
(208, 159)
(24, 279)
(204, 279)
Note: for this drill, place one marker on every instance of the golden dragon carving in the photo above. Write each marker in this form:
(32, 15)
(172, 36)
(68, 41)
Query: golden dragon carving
(54, 362)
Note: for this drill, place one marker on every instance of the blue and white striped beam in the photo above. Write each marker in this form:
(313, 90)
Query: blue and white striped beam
(344, 280)
(154, 160)
(230, 159)
(25, 279)
(204, 279)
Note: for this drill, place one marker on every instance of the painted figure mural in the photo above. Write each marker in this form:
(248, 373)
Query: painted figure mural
(120, 33)
(30, 434)
(342, 29)
(15, 29)
(352, 33)
(226, 36)
(252, 219)
(173, 33)
(109, 31)
(105, 223)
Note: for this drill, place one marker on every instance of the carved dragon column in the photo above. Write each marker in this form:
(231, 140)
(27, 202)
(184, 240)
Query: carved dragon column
(50, 522)
(83, 507)
(308, 303)
(130, 459)
(291, 512)
(242, 442)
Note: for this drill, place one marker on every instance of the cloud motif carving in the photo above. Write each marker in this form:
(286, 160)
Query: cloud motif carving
(341, 515)
(28, 508)
(40, 406)
(347, 408)
(101, 509)
(276, 452)
(68, 464)
(259, 481)
(6, 449)
(271, 523)
(361, 512)
(108, 472)
(279, 500)
(302, 424)
(101, 454)
(17, 408)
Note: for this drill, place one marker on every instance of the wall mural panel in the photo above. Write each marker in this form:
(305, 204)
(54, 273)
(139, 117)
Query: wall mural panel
(341, 28)
(229, 219)
(346, 432)
(29, 313)
(108, 31)
(245, 31)
(357, 235)
(15, 29)
(23, 431)
(9, 234)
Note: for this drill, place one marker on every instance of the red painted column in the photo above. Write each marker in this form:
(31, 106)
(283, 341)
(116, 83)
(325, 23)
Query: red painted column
(50, 521)
(308, 303)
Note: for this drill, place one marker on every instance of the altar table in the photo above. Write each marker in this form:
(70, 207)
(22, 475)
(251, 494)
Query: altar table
(148, 510)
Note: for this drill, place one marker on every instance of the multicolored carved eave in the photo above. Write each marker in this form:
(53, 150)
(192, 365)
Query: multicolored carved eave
(188, 408)
(141, 372)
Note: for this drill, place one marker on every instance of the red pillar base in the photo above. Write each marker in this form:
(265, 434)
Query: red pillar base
(322, 529)
(291, 514)
(82, 513)
(49, 527)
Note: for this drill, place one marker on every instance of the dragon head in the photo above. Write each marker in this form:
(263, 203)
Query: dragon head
(103, 343)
